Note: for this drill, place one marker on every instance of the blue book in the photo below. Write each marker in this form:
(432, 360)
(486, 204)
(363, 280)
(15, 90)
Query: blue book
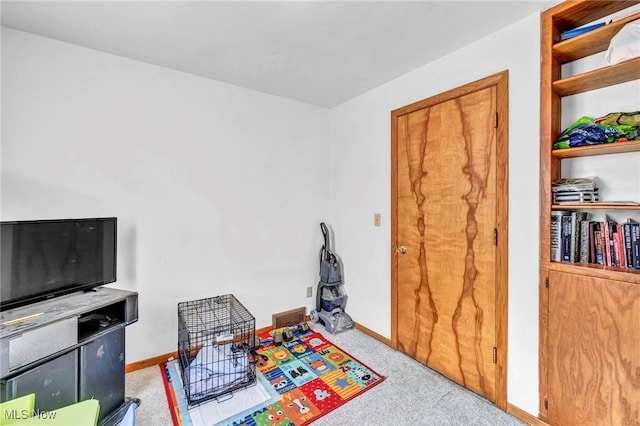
(577, 31)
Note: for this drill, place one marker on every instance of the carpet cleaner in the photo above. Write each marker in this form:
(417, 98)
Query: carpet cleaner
(331, 298)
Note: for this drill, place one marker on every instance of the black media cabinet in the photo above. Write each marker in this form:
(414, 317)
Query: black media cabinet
(68, 349)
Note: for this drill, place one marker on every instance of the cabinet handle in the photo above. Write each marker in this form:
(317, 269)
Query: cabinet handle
(401, 250)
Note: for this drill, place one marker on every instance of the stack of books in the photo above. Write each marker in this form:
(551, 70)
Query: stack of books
(574, 191)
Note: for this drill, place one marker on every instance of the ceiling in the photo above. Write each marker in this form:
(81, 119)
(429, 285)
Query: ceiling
(317, 52)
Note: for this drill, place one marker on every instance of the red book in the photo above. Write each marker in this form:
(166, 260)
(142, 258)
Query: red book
(618, 247)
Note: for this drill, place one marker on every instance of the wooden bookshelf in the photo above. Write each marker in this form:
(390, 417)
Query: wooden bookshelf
(589, 313)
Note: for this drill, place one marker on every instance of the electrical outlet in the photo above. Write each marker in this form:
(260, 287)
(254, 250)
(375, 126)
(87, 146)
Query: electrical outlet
(376, 219)
(309, 291)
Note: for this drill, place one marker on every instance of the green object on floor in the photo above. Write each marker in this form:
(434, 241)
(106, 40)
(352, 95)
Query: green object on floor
(16, 409)
(21, 412)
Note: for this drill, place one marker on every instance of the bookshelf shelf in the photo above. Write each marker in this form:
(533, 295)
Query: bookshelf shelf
(567, 18)
(605, 272)
(597, 206)
(598, 78)
(603, 149)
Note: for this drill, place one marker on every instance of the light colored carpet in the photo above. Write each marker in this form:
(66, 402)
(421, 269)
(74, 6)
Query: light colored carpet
(411, 393)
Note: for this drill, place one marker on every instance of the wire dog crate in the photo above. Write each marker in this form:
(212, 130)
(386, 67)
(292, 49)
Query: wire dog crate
(215, 336)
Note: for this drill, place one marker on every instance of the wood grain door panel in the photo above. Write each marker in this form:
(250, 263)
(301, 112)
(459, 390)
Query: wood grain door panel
(446, 218)
(594, 351)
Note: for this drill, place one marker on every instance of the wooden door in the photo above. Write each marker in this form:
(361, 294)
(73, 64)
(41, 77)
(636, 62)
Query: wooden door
(594, 351)
(449, 219)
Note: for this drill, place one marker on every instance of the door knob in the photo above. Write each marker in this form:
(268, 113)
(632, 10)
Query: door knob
(401, 250)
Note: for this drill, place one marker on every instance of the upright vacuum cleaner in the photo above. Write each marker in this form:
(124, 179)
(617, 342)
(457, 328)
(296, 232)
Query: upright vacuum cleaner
(331, 298)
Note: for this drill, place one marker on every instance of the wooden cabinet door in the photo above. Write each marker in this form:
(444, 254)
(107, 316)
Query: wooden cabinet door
(594, 351)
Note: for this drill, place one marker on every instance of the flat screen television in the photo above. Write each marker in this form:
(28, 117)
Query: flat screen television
(42, 259)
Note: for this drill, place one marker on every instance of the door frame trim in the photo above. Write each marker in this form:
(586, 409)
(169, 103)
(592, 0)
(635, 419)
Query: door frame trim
(501, 82)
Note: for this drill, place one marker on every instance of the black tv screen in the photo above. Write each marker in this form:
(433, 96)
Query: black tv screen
(47, 258)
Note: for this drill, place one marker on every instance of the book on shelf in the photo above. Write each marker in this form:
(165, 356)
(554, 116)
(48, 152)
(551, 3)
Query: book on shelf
(556, 235)
(584, 245)
(598, 254)
(608, 243)
(565, 35)
(635, 244)
(628, 248)
(618, 248)
(565, 241)
(577, 239)
(576, 219)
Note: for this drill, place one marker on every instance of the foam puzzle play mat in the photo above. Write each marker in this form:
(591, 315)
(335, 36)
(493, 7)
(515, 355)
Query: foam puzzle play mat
(297, 382)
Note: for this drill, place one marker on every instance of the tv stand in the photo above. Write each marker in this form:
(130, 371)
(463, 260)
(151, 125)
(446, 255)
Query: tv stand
(68, 349)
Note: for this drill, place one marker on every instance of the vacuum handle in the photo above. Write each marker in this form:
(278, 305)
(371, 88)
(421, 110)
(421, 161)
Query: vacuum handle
(325, 233)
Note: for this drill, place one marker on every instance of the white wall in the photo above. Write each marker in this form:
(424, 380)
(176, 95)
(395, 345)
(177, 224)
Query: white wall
(217, 189)
(360, 187)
